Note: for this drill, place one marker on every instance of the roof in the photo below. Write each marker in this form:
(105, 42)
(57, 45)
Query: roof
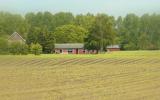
(113, 46)
(14, 34)
(69, 45)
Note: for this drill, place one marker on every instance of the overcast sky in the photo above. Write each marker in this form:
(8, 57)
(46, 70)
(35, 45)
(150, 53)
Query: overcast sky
(111, 7)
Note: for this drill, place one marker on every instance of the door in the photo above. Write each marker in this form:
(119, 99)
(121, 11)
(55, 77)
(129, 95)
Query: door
(76, 51)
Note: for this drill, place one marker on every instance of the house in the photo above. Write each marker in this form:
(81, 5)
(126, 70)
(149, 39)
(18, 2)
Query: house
(78, 48)
(113, 48)
(15, 37)
(70, 48)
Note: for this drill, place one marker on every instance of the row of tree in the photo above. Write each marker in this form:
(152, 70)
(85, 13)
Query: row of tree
(139, 33)
(96, 31)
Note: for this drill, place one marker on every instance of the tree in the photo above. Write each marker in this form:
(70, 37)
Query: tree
(149, 26)
(133, 32)
(36, 49)
(102, 33)
(3, 46)
(128, 31)
(32, 36)
(63, 18)
(70, 34)
(84, 21)
(139, 33)
(43, 37)
(49, 42)
(10, 23)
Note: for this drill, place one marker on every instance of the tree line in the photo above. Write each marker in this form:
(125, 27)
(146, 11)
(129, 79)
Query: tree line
(131, 32)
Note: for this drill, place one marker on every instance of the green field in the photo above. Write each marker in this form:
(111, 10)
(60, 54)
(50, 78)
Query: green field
(133, 75)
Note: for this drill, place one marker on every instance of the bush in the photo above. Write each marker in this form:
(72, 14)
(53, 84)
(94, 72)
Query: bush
(3, 46)
(36, 49)
(24, 49)
(18, 48)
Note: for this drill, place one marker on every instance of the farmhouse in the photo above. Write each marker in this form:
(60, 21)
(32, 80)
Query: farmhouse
(15, 37)
(70, 48)
(78, 48)
(113, 48)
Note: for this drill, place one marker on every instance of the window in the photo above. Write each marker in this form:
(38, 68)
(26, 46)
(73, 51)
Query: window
(70, 51)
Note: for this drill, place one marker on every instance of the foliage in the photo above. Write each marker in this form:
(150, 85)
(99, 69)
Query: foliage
(17, 48)
(36, 49)
(63, 18)
(84, 21)
(3, 46)
(132, 32)
(70, 34)
(43, 37)
(102, 33)
(139, 33)
(10, 23)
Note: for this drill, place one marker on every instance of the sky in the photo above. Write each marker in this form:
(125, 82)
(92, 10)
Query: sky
(111, 7)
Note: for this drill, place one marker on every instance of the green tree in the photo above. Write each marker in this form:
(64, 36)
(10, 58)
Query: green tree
(36, 49)
(70, 34)
(102, 33)
(32, 36)
(3, 46)
(129, 31)
(84, 21)
(43, 37)
(49, 42)
(63, 18)
(10, 23)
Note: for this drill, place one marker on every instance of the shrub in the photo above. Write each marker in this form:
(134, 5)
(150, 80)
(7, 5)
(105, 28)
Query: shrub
(18, 48)
(3, 46)
(36, 49)
(24, 49)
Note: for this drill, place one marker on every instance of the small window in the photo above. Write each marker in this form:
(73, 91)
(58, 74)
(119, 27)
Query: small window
(70, 51)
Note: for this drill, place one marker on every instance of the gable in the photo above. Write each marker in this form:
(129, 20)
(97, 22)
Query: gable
(15, 37)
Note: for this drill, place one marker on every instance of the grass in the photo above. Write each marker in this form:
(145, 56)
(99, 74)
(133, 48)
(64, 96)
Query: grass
(118, 54)
(129, 75)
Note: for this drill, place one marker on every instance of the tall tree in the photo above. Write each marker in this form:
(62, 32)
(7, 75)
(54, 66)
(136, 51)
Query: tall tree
(84, 21)
(70, 34)
(10, 23)
(102, 33)
(130, 32)
(43, 37)
(63, 18)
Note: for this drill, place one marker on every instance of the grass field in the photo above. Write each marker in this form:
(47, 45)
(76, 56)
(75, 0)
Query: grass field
(131, 75)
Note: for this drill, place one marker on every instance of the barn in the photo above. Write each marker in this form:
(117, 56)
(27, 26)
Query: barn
(15, 37)
(113, 48)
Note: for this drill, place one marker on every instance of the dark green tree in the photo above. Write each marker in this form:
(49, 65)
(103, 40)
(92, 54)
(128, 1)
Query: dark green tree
(3, 46)
(102, 33)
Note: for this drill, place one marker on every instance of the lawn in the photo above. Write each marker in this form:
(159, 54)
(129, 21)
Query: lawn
(125, 75)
